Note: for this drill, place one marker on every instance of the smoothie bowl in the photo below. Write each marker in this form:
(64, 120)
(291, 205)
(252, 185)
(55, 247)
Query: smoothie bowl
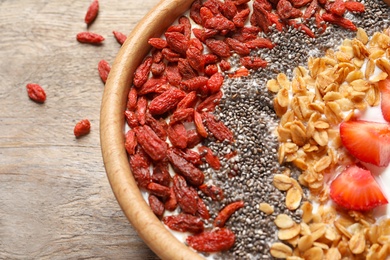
(245, 129)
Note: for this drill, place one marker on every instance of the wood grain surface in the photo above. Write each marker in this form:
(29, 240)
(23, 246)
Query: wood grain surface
(55, 199)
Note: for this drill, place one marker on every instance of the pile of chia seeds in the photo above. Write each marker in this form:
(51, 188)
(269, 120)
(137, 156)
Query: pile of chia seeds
(247, 110)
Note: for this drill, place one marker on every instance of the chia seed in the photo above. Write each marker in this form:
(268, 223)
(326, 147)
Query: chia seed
(247, 110)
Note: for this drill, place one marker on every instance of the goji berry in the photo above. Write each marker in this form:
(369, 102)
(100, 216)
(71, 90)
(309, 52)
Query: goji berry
(241, 72)
(338, 8)
(171, 203)
(158, 43)
(245, 34)
(131, 118)
(220, 131)
(218, 47)
(284, 9)
(104, 69)
(82, 127)
(214, 192)
(184, 223)
(300, 3)
(355, 7)
(238, 47)
(185, 69)
(194, 84)
(240, 2)
(159, 190)
(211, 69)
(157, 56)
(209, 104)
(176, 28)
(205, 13)
(156, 205)
(89, 37)
(226, 212)
(253, 62)
(195, 59)
(154, 85)
(158, 69)
(193, 138)
(142, 72)
(151, 143)
(275, 19)
(224, 65)
(187, 197)
(173, 74)
(120, 37)
(183, 20)
(211, 159)
(240, 18)
(219, 22)
(177, 134)
(189, 101)
(195, 11)
(178, 42)
(228, 9)
(210, 58)
(204, 34)
(158, 126)
(166, 101)
(139, 166)
(260, 17)
(92, 12)
(213, 5)
(170, 55)
(311, 10)
(199, 125)
(196, 43)
(202, 211)
(182, 115)
(130, 142)
(140, 112)
(266, 4)
(161, 174)
(192, 174)
(340, 21)
(36, 93)
(217, 240)
(190, 155)
(320, 23)
(259, 43)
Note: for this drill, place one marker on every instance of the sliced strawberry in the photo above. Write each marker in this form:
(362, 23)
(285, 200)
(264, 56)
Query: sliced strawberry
(384, 87)
(367, 141)
(356, 189)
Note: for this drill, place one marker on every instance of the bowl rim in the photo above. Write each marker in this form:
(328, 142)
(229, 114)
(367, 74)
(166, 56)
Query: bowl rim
(112, 126)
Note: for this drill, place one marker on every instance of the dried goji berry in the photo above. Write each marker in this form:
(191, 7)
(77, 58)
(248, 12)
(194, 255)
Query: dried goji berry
(300, 3)
(226, 212)
(184, 223)
(211, 159)
(166, 101)
(194, 84)
(36, 92)
(104, 69)
(185, 69)
(209, 104)
(157, 56)
(238, 47)
(210, 58)
(275, 19)
(158, 126)
(189, 101)
(140, 112)
(158, 69)
(218, 47)
(245, 34)
(195, 59)
(170, 55)
(219, 22)
(178, 42)
(154, 85)
(177, 134)
(173, 74)
(195, 11)
(131, 118)
(156, 205)
(253, 62)
(259, 43)
(215, 82)
(240, 2)
(210, 69)
(139, 166)
(199, 125)
(284, 9)
(340, 21)
(260, 17)
(120, 37)
(89, 37)
(182, 115)
(301, 27)
(217, 240)
(220, 131)
(151, 143)
(183, 20)
(224, 65)
(320, 23)
(158, 43)
(159, 190)
(203, 212)
(214, 192)
(82, 127)
(176, 28)
(192, 174)
(161, 173)
(190, 155)
(92, 12)
(204, 34)
(241, 72)
(228, 9)
(171, 203)
(213, 5)
(338, 7)
(130, 142)
(240, 18)
(186, 196)
(354, 7)
(142, 72)
(205, 13)
(193, 138)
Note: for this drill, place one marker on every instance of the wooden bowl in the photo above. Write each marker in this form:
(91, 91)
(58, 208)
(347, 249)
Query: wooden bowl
(148, 226)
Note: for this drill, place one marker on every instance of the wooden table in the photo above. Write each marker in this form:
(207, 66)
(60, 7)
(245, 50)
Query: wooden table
(55, 199)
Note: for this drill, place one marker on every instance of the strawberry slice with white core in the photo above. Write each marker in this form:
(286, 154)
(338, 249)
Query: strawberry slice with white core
(367, 141)
(384, 87)
(356, 189)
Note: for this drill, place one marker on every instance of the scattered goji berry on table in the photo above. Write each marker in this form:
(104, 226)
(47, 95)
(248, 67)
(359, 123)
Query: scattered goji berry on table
(104, 69)
(89, 37)
(36, 92)
(83, 127)
(92, 12)
(120, 37)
